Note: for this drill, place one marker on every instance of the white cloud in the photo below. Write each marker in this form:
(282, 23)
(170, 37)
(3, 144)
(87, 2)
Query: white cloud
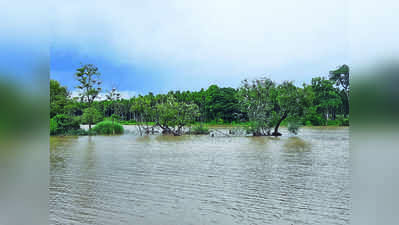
(126, 94)
(215, 39)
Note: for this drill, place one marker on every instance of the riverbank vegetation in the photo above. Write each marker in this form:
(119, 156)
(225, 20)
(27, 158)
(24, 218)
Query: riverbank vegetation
(108, 128)
(260, 106)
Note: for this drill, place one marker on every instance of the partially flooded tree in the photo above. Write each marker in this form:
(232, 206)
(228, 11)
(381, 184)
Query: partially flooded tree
(255, 99)
(91, 115)
(172, 116)
(89, 85)
(143, 112)
(268, 105)
(288, 104)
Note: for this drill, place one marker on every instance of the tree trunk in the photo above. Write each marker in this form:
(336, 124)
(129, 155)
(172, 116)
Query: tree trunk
(276, 133)
(89, 128)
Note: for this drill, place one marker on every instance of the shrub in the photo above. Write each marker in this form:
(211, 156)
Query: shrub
(62, 124)
(128, 122)
(345, 122)
(91, 116)
(53, 126)
(315, 118)
(106, 127)
(199, 130)
(333, 123)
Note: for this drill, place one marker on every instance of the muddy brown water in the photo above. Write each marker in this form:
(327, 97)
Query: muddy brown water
(164, 180)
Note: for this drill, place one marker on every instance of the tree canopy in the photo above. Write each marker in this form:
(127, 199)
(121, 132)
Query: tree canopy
(261, 104)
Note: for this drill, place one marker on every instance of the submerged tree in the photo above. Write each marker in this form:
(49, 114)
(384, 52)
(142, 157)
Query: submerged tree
(172, 116)
(91, 115)
(289, 104)
(256, 101)
(268, 105)
(89, 84)
(143, 113)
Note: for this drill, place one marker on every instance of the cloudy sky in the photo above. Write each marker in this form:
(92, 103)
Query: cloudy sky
(142, 46)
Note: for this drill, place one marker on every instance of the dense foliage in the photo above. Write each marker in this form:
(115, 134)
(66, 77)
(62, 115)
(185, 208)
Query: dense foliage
(262, 104)
(268, 105)
(108, 127)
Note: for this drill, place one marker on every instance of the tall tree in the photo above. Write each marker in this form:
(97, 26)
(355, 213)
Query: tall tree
(268, 105)
(327, 99)
(89, 84)
(288, 103)
(341, 78)
(143, 112)
(255, 99)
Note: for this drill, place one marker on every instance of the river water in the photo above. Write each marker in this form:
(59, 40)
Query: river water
(199, 180)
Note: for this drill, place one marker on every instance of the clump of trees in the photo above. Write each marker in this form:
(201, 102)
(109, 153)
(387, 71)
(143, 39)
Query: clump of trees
(166, 113)
(262, 104)
(172, 116)
(268, 104)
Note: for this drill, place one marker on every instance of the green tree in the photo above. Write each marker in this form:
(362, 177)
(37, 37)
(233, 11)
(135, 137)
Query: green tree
(61, 124)
(221, 103)
(256, 102)
(143, 112)
(58, 98)
(327, 99)
(171, 116)
(341, 78)
(288, 103)
(268, 105)
(89, 84)
(91, 116)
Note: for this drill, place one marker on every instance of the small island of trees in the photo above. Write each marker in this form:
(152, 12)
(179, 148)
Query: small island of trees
(260, 106)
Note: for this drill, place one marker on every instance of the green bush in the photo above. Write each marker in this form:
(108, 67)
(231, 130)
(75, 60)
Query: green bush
(333, 123)
(316, 120)
(128, 122)
(62, 124)
(199, 130)
(106, 127)
(345, 122)
(53, 126)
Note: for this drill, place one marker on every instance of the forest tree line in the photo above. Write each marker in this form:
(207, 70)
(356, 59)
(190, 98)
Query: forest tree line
(262, 104)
